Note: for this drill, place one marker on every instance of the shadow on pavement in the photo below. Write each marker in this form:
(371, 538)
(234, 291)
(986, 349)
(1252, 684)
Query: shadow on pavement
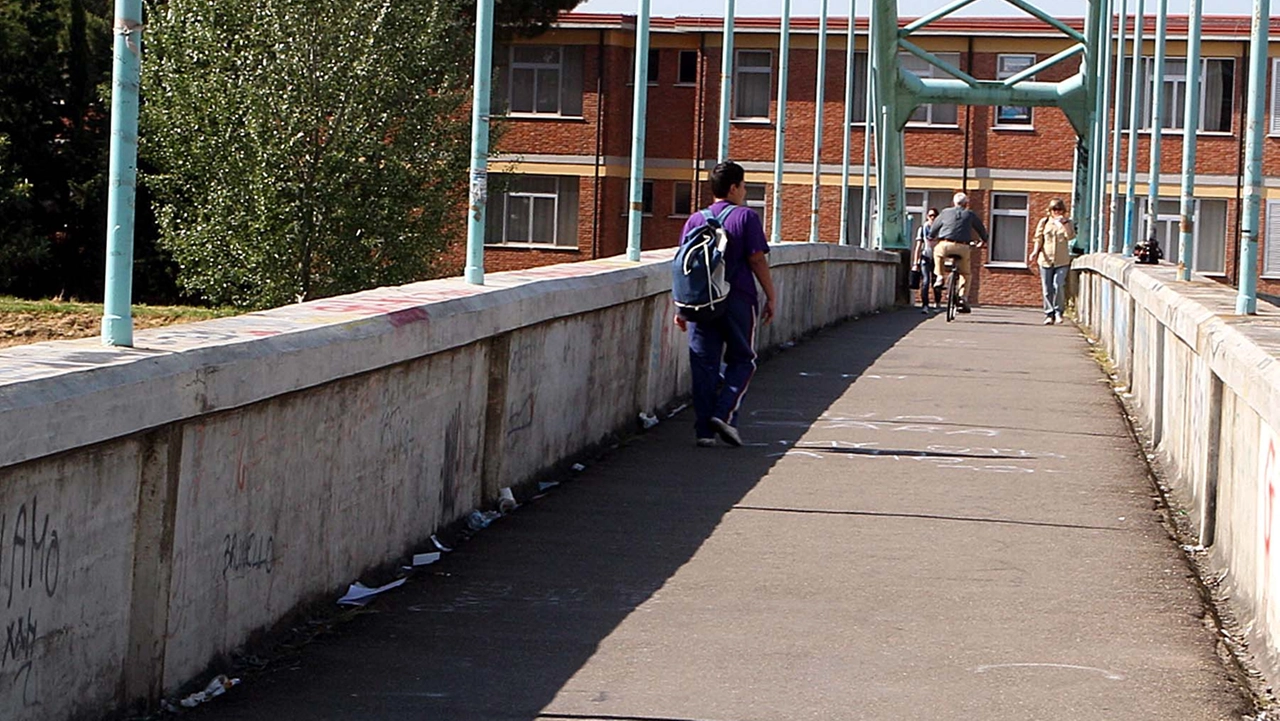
(506, 620)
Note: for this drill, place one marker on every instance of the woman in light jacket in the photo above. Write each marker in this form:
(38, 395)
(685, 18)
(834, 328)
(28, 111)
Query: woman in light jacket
(1052, 251)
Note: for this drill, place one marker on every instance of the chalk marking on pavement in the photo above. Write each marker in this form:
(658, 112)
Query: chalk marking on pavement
(1109, 674)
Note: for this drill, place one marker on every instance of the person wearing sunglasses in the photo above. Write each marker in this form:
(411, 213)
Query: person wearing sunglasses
(1052, 251)
(922, 261)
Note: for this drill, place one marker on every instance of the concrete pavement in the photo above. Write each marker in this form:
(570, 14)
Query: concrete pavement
(930, 520)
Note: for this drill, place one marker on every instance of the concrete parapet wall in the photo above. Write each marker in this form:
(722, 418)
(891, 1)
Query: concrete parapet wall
(1206, 385)
(160, 504)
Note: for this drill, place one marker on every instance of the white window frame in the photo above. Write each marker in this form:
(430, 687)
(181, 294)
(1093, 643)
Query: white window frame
(1025, 214)
(1271, 222)
(535, 67)
(941, 202)
(934, 72)
(506, 217)
(499, 204)
(1173, 222)
(739, 69)
(680, 65)
(1144, 119)
(1273, 128)
(1002, 74)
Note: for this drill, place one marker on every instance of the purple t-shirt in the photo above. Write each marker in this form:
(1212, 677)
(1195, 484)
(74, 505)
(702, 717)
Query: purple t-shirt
(746, 238)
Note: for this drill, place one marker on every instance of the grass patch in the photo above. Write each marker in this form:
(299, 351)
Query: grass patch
(10, 304)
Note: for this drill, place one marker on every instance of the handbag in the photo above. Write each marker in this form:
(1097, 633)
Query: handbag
(916, 277)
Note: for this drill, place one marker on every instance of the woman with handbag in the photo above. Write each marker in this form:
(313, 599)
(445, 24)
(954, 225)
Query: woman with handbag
(1052, 252)
(922, 263)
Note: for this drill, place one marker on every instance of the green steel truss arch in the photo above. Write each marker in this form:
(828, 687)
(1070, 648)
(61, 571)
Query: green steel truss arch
(898, 92)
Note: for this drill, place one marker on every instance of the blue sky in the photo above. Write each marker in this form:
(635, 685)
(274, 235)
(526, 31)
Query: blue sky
(715, 8)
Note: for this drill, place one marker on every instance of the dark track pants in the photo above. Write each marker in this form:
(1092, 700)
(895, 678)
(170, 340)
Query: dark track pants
(731, 336)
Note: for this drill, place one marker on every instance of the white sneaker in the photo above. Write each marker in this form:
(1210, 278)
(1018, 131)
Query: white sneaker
(727, 433)
(1058, 319)
(1048, 320)
(706, 443)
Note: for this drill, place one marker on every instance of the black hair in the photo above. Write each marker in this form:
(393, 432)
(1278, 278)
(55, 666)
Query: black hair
(931, 210)
(724, 176)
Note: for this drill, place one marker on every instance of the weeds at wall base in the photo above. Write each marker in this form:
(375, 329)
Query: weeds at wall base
(1232, 648)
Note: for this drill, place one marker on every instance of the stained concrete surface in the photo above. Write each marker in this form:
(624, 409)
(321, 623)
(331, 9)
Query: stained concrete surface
(930, 520)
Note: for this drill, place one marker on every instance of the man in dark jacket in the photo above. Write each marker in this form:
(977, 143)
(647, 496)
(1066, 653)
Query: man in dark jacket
(954, 231)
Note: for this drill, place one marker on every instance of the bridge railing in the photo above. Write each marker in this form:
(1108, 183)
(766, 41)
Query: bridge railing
(160, 504)
(1206, 386)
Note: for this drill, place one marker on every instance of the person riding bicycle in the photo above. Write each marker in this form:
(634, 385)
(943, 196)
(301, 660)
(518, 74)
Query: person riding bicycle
(953, 231)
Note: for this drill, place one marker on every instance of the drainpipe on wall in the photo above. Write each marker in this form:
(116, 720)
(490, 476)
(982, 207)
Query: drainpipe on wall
(595, 182)
(1235, 247)
(968, 128)
(695, 196)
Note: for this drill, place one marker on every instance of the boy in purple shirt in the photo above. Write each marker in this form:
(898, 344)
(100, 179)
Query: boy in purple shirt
(732, 336)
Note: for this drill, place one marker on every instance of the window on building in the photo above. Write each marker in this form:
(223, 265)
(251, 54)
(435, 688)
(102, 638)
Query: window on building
(683, 203)
(859, 110)
(919, 201)
(646, 199)
(755, 199)
(688, 74)
(1009, 228)
(652, 70)
(1275, 97)
(752, 84)
(533, 210)
(1006, 67)
(538, 80)
(855, 218)
(937, 113)
(1217, 96)
(1271, 246)
(1208, 254)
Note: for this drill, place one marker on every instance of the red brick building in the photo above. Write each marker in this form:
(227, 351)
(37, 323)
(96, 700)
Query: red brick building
(560, 175)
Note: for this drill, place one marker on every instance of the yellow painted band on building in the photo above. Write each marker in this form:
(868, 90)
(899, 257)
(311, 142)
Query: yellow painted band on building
(999, 185)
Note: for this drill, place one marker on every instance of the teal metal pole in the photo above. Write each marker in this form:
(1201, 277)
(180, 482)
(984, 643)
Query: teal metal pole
(479, 200)
(779, 146)
(1190, 125)
(1157, 119)
(1247, 298)
(1116, 133)
(846, 128)
(819, 97)
(635, 215)
(122, 178)
(1135, 104)
(889, 167)
(1086, 156)
(726, 82)
(1099, 162)
(868, 125)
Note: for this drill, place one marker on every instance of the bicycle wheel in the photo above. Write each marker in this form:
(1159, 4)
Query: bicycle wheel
(953, 296)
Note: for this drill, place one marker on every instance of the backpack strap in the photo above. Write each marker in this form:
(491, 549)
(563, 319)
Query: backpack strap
(724, 214)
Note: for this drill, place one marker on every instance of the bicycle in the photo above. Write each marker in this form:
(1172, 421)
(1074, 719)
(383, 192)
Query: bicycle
(952, 286)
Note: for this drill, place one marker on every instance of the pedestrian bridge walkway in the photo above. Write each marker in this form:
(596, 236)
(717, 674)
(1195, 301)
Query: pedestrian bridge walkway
(929, 520)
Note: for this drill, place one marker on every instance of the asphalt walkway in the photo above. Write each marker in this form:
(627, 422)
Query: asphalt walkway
(930, 521)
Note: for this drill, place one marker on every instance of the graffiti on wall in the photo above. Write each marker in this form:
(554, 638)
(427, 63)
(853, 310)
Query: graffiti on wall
(30, 571)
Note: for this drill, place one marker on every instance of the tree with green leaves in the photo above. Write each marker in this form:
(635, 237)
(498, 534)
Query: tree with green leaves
(52, 169)
(305, 149)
